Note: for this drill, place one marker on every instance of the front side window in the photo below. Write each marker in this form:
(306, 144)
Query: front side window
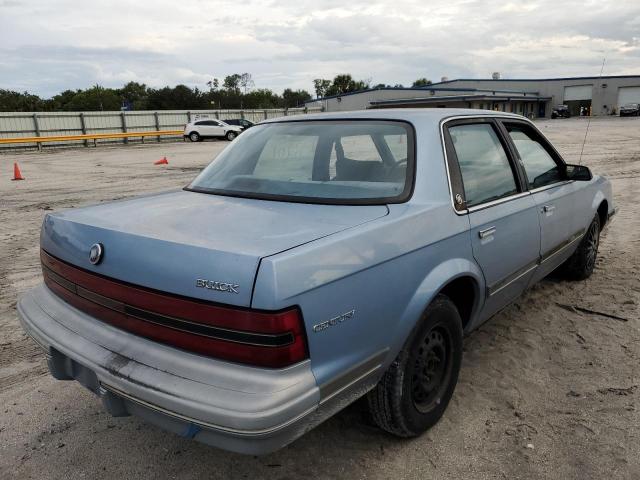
(539, 165)
(486, 172)
(352, 161)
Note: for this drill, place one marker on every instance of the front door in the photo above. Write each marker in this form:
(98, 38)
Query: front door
(504, 224)
(553, 194)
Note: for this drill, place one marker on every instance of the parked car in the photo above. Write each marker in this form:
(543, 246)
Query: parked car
(321, 258)
(560, 111)
(630, 110)
(240, 122)
(210, 128)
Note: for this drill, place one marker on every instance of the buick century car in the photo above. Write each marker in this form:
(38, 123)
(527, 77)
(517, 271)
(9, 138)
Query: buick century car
(318, 259)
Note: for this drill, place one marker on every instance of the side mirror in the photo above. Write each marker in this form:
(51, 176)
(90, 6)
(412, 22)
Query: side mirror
(579, 173)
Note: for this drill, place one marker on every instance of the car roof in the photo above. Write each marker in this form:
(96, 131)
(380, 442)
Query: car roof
(434, 115)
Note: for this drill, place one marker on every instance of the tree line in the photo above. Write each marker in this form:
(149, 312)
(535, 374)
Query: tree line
(235, 91)
(345, 83)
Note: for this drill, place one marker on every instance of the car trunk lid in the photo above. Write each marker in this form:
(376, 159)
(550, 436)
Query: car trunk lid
(196, 245)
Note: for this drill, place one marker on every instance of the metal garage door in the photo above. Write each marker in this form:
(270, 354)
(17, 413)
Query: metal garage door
(628, 95)
(578, 92)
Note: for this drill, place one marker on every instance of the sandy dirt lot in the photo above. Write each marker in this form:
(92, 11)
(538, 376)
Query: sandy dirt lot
(545, 391)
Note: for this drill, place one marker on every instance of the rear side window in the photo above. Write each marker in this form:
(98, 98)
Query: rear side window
(539, 165)
(486, 172)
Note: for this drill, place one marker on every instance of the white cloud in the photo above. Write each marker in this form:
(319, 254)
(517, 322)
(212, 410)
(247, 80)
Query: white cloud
(49, 46)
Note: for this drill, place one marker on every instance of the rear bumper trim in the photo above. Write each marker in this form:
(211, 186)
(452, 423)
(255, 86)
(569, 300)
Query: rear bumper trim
(235, 407)
(250, 433)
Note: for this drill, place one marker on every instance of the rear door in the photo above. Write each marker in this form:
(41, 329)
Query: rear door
(554, 195)
(505, 230)
(210, 128)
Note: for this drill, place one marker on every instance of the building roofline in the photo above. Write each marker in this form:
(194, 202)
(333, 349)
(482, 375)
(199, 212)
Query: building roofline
(593, 77)
(457, 97)
(419, 89)
(431, 87)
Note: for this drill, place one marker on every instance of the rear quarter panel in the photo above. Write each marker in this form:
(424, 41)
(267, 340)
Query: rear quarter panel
(387, 272)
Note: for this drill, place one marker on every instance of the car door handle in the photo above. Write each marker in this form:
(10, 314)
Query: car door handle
(548, 208)
(487, 232)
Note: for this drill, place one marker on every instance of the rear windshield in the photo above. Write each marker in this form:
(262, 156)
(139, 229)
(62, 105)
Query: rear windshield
(343, 162)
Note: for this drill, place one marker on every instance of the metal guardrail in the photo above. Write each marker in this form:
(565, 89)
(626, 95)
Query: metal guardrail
(57, 129)
(90, 136)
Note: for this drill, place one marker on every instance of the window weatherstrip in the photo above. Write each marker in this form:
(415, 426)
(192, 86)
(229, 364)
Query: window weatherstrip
(551, 185)
(490, 118)
(482, 206)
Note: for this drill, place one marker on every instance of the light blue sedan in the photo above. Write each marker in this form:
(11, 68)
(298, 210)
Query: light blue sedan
(318, 259)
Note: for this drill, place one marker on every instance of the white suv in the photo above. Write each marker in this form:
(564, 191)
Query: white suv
(210, 128)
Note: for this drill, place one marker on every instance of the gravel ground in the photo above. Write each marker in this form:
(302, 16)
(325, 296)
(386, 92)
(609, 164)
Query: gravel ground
(546, 390)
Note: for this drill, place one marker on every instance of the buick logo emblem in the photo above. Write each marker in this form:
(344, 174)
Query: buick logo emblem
(95, 253)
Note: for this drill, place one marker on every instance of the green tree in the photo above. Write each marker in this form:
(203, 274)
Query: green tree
(291, 98)
(59, 102)
(321, 86)
(344, 83)
(246, 82)
(94, 98)
(213, 84)
(422, 82)
(11, 101)
(135, 94)
(177, 98)
(232, 83)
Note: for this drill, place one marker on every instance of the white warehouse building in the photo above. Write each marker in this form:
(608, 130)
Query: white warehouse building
(529, 97)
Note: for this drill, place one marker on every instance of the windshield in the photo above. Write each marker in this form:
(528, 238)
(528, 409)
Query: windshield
(343, 162)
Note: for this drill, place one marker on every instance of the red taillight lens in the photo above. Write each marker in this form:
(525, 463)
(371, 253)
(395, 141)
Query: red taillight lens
(267, 339)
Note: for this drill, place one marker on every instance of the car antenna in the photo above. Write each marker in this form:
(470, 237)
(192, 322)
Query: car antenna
(589, 121)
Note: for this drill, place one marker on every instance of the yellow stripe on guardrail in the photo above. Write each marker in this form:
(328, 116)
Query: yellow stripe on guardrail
(89, 136)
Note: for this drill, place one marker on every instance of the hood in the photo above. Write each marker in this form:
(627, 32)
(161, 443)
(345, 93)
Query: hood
(192, 244)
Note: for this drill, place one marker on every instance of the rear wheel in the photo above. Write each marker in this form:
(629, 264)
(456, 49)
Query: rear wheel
(195, 137)
(231, 135)
(414, 392)
(580, 265)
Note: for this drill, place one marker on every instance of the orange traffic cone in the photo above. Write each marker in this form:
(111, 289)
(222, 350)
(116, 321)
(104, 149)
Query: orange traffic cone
(162, 161)
(17, 174)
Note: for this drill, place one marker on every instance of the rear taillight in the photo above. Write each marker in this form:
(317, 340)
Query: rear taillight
(259, 338)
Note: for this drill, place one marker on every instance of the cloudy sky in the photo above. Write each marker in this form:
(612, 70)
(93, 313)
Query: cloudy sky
(47, 46)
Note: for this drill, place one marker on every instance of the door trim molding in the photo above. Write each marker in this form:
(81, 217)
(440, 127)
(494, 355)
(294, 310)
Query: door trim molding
(562, 245)
(521, 272)
(509, 279)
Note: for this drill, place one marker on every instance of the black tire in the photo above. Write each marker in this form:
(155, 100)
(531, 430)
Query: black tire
(581, 263)
(195, 137)
(414, 392)
(231, 135)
